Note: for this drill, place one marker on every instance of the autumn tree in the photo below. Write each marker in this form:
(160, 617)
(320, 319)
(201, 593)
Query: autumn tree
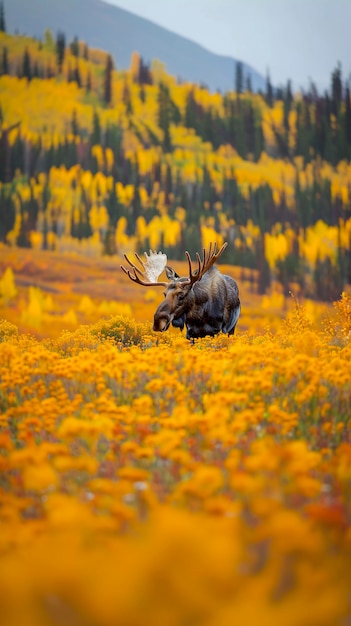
(49, 40)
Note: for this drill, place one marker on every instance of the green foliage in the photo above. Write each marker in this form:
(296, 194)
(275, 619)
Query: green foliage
(126, 332)
(7, 212)
(108, 80)
(60, 49)
(7, 331)
(2, 18)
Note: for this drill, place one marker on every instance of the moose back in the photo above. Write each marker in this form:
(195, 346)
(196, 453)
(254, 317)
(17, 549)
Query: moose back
(206, 301)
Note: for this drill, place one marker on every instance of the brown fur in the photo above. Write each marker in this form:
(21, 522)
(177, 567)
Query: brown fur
(208, 307)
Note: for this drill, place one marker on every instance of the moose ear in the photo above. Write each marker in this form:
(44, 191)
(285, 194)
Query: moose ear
(170, 273)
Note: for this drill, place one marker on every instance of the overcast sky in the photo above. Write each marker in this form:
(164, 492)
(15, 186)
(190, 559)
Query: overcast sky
(296, 39)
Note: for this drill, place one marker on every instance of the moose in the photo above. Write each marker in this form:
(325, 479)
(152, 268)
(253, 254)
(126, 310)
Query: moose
(206, 302)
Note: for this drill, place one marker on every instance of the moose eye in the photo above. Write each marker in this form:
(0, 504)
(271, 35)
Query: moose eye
(181, 296)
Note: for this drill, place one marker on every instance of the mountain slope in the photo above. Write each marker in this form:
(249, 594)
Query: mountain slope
(120, 32)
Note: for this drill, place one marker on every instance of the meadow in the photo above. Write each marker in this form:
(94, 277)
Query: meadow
(145, 480)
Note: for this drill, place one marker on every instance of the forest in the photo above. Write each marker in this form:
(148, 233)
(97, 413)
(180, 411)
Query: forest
(103, 161)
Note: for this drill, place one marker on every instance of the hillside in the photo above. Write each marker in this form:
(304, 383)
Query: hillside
(121, 33)
(103, 161)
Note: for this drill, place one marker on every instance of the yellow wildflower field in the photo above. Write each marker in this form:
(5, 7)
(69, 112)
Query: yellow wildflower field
(149, 481)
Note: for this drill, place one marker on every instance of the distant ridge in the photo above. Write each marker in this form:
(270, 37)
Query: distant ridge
(120, 33)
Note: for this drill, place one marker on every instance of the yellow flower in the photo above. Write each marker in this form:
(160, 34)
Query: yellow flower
(205, 482)
(40, 477)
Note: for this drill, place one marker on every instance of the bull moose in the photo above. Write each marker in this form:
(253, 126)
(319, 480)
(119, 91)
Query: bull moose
(206, 302)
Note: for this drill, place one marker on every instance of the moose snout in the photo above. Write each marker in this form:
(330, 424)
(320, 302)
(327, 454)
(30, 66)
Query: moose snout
(161, 323)
(162, 317)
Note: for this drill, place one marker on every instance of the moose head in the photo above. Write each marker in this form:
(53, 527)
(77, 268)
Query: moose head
(206, 301)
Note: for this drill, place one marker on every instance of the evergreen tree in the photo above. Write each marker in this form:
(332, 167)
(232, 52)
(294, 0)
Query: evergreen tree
(74, 47)
(287, 273)
(144, 77)
(113, 139)
(108, 80)
(259, 140)
(264, 274)
(60, 49)
(86, 52)
(26, 65)
(49, 71)
(248, 83)
(95, 138)
(7, 213)
(136, 202)
(168, 184)
(76, 75)
(74, 123)
(269, 90)
(347, 116)
(5, 61)
(207, 131)
(36, 71)
(190, 117)
(336, 88)
(250, 127)
(328, 280)
(113, 208)
(192, 237)
(127, 99)
(2, 18)
(240, 137)
(164, 115)
(288, 99)
(239, 77)
(88, 83)
(69, 77)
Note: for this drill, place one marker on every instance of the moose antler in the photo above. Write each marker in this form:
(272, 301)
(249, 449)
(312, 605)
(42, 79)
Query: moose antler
(209, 258)
(152, 268)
